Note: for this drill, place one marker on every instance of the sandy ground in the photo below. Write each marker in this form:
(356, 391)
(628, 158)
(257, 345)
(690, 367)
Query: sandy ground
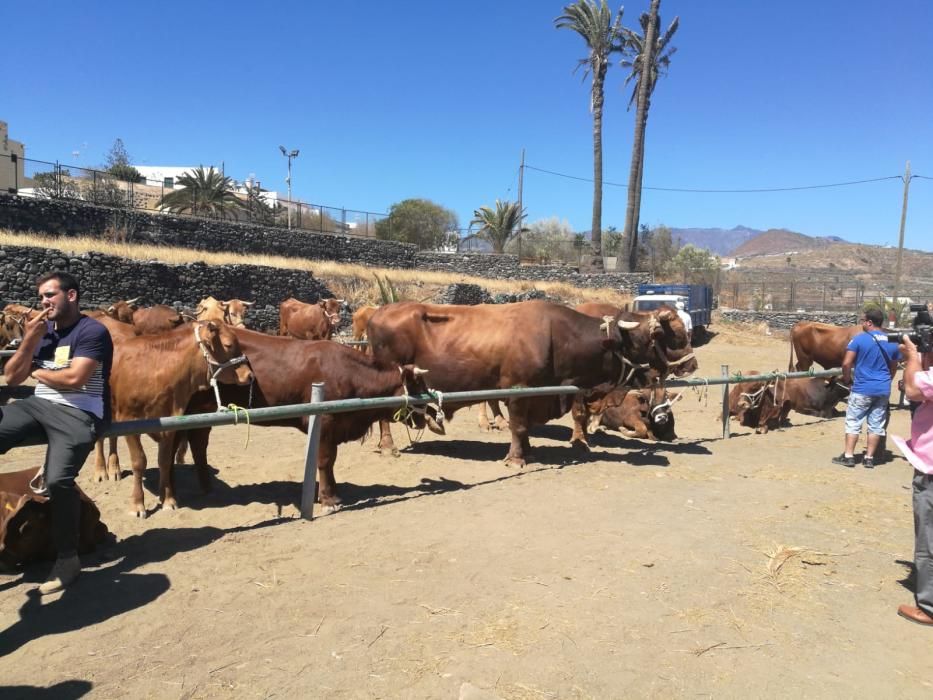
(748, 567)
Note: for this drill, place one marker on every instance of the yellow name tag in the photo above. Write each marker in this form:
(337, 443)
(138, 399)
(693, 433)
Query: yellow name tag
(61, 355)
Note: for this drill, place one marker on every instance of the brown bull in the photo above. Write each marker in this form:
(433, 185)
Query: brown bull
(123, 310)
(156, 376)
(766, 405)
(533, 343)
(361, 319)
(232, 312)
(285, 368)
(640, 413)
(25, 532)
(821, 343)
(309, 321)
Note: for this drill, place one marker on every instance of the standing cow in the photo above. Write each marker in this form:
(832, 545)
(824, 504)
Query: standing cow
(309, 321)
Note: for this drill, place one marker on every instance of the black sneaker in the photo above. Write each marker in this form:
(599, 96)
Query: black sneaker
(844, 461)
(868, 463)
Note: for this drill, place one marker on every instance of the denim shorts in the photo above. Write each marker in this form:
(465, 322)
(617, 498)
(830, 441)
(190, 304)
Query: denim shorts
(875, 408)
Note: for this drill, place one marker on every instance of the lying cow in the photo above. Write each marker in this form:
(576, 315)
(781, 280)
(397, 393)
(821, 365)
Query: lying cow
(285, 368)
(25, 523)
(640, 413)
(309, 321)
(766, 405)
(150, 320)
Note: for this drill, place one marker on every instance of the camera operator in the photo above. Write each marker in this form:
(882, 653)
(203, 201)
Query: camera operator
(922, 320)
(918, 384)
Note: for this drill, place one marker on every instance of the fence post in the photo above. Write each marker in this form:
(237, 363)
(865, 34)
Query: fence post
(725, 403)
(309, 487)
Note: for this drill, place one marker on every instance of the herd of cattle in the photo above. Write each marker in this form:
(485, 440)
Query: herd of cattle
(167, 363)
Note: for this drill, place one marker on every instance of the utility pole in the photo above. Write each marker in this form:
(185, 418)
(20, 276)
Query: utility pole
(521, 173)
(289, 154)
(900, 240)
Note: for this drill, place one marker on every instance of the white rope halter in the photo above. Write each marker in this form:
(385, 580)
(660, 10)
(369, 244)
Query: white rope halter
(221, 366)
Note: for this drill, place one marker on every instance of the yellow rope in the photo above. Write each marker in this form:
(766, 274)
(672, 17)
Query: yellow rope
(236, 419)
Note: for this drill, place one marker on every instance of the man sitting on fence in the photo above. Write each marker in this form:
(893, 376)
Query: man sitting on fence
(69, 355)
(874, 361)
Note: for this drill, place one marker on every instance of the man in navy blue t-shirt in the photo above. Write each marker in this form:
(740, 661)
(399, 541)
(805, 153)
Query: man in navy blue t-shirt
(69, 355)
(874, 361)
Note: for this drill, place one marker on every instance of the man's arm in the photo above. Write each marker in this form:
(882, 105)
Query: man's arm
(19, 366)
(848, 362)
(911, 367)
(75, 376)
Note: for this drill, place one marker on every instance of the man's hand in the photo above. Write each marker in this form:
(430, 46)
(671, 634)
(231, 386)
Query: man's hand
(907, 348)
(36, 326)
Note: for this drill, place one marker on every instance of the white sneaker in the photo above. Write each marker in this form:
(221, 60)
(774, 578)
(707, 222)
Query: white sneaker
(63, 574)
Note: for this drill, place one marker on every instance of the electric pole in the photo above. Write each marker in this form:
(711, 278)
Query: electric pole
(900, 240)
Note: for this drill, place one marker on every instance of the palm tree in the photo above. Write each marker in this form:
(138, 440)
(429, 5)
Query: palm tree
(498, 226)
(593, 21)
(205, 193)
(645, 49)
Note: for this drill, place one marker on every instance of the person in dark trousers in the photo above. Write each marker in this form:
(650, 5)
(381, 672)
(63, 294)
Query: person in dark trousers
(872, 360)
(69, 355)
(918, 383)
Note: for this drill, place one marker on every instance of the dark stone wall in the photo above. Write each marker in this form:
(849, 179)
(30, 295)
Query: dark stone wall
(105, 278)
(70, 218)
(786, 319)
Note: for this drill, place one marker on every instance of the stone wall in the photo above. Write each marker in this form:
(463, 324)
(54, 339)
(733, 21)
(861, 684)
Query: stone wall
(786, 319)
(71, 218)
(105, 278)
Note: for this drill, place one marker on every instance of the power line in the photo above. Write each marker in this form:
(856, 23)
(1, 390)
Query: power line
(734, 191)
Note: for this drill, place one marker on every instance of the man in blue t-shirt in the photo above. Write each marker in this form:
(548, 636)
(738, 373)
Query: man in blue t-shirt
(69, 355)
(874, 361)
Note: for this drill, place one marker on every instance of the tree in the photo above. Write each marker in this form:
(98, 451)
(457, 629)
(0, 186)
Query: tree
(56, 184)
(418, 221)
(498, 225)
(656, 249)
(693, 265)
(203, 193)
(647, 58)
(593, 21)
(118, 163)
(544, 240)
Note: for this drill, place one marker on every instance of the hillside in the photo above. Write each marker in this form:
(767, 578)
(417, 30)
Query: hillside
(719, 241)
(777, 241)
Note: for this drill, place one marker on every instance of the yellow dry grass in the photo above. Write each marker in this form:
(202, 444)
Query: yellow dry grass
(355, 283)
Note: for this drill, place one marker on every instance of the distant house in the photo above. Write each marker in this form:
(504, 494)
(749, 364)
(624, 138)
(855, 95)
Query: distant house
(728, 263)
(12, 154)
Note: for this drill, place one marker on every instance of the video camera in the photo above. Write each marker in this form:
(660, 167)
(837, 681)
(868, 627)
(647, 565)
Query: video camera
(922, 333)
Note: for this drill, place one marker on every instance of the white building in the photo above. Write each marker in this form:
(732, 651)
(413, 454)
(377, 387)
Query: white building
(167, 175)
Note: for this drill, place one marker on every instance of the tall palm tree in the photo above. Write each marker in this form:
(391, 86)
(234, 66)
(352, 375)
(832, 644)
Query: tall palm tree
(498, 226)
(654, 51)
(593, 21)
(204, 193)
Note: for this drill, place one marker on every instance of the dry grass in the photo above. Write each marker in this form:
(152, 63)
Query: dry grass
(349, 281)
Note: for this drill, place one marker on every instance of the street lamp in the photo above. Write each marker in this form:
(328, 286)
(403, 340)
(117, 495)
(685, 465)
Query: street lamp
(288, 180)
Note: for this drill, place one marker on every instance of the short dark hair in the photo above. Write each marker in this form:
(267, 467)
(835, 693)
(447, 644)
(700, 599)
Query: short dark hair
(875, 315)
(66, 281)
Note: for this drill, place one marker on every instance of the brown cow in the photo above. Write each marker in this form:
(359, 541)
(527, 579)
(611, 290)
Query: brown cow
(156, 376)
(766, 405)
(821, 343)
(156, 319)
(232, 312)
(285, 368)
(532, 343)
(361, 319)
(309, 321)
(640, 413)
(25, 532)
(122, 310)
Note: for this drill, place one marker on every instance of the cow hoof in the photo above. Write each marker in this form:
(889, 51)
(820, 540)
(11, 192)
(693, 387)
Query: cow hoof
(516, 462)
(485, 427)
(580, 444)
(389, 451)
(502, 424)
(331, 508)
(100, 476)
(169, 504)
(140, 513)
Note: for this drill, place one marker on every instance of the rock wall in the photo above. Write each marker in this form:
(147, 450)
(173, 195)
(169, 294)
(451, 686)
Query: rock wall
(106, 278)
(786, 319)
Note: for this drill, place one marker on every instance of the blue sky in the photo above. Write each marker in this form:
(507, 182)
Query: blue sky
(436, 100)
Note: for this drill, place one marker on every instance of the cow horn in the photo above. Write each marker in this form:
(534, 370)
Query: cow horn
(110, 309)
(133, 301)
(341, 301)
(628, 325)
(247, 303)
(418, 371)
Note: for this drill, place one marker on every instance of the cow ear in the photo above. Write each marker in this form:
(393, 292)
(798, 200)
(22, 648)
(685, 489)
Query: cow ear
(322, 303)
(212, 326)
(666, 315)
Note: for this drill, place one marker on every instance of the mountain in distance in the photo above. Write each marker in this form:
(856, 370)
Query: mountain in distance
(719, 241)
(743, 241)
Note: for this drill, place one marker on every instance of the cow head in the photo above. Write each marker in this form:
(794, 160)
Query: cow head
(11, 329)
(222, 351)
(123, 310)
(417, 417)
(24, 530)
(235, 312)
(332, 308)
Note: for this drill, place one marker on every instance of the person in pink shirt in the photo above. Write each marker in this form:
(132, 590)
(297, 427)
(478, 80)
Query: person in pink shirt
(918, 386)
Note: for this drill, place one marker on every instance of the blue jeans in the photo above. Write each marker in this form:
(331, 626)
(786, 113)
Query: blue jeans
(861, 407)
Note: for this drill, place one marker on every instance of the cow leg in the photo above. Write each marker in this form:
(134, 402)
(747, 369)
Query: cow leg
(581, 419)
(138, 460)
(113, 460)
(483, 418)
(167, 472)
(518, 421)
(500, 420)
(181, 446)
(386, 445)
(100, 465)
(198, 441)
(326, 482)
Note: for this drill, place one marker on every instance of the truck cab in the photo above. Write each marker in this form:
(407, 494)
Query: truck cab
(697, 300)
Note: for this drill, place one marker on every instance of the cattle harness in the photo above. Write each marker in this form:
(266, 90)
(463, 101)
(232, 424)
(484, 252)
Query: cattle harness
(221, 366)
(633, 367)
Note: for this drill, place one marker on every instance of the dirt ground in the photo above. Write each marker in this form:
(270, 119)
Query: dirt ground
(748, 567)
